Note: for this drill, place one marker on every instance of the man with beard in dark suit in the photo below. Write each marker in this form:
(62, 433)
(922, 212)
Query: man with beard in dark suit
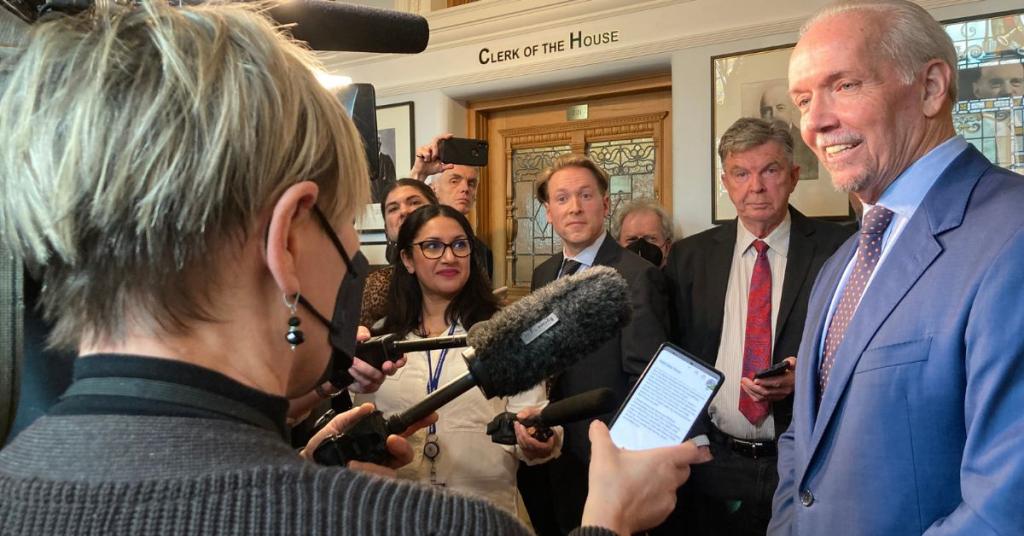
(574, 190)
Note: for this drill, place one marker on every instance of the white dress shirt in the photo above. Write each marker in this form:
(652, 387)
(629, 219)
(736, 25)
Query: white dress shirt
(586, 256)
(469, 462)
(724, 409)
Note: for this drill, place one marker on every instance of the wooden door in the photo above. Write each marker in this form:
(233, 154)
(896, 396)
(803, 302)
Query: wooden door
(627, 132)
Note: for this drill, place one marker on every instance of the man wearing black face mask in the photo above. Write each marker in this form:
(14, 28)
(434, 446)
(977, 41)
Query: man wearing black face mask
(644, 228)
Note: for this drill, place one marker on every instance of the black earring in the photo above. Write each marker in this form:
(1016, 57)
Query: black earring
(294, 336)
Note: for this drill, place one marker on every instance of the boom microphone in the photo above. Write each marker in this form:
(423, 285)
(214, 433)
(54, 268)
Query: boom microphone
(575, 408)
(521, 345)
(326, 25)
(587, 405)
(322, 24)
(377, 350)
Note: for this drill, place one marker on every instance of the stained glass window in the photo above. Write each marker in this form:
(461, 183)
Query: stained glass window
(630, 167)
(989, 112)
(535, 240)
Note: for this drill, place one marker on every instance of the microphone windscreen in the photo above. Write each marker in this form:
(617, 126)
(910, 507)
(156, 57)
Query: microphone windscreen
(327, 25)
(585, 405)
(547, 331)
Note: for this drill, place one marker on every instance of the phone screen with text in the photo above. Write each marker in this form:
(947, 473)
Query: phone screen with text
(666, 401)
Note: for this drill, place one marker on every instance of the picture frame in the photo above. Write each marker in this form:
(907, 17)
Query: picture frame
(989, 110)
(396, 130)
(754, 83)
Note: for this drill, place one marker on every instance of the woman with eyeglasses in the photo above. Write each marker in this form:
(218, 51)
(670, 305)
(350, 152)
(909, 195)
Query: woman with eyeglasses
(439, 289)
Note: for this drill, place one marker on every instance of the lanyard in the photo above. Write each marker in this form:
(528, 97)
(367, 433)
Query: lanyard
(434, 375)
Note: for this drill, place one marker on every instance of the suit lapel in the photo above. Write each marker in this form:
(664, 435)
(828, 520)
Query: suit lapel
(717, 267)
(609, 252)
(798, 262)
(550, 272)
(915, 249)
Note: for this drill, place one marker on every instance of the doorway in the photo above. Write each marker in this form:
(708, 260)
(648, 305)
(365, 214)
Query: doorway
(626, 129)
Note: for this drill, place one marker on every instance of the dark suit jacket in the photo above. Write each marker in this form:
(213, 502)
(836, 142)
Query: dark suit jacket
(619, 362)
(697, 271)
(555, 492)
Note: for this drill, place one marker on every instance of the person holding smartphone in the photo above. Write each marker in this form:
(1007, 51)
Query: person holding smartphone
(738, 298)
(455, 185)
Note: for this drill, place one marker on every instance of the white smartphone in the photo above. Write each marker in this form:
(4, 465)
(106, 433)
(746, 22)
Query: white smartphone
(666, 401)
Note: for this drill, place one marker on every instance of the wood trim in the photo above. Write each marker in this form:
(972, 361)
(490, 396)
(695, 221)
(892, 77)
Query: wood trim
(628, 86)
(595, 128)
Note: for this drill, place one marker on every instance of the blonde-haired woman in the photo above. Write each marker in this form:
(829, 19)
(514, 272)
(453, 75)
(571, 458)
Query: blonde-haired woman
(190, 189)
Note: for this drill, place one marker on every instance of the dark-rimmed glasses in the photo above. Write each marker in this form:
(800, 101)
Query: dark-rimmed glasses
(434, 249)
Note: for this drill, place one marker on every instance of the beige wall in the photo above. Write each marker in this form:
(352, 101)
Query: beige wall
(676, 36)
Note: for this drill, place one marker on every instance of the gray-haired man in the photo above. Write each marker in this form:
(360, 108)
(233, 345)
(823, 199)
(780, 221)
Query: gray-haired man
(738, 298)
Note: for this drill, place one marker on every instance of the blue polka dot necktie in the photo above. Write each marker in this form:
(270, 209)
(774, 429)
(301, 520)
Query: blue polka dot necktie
(876, 221)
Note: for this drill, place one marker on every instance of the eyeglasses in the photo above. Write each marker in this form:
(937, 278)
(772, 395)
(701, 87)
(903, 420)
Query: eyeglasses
(434, 249)
(333, 236)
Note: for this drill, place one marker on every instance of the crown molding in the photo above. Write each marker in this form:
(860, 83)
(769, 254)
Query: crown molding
(512, 16)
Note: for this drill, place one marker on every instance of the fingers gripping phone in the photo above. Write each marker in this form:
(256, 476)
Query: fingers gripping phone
(666, 401)
(463, 151)
(777, 369)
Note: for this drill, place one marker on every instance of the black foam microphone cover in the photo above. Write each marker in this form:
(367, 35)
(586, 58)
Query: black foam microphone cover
(547, 331)
(327, 25)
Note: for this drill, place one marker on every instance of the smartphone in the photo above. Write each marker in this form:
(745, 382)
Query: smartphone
(464, 151)
(777, 369)
(673, 392)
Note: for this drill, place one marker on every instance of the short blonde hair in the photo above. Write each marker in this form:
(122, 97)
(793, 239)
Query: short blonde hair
(571, 161)
(140, 141)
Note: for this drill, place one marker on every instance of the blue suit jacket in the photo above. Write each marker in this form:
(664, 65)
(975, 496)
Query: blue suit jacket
(921, 429)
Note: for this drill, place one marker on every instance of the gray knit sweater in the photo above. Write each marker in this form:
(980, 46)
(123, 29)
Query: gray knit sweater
(123, 474)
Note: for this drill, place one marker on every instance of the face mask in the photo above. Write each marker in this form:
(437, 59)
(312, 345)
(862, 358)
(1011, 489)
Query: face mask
(646, 250)
(347, 305)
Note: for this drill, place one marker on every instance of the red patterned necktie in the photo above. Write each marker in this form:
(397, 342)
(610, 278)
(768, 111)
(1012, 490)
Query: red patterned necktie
(757, 341)
(876, 221)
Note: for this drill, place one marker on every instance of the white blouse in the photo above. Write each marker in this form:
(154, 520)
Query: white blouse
(468, 462)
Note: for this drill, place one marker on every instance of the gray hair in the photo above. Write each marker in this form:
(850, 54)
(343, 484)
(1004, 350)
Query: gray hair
(143, 145)
(642, 205)
(910, 36)
(749, 132)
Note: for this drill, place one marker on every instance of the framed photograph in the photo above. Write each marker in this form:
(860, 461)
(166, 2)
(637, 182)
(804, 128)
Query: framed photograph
(396, 130)
(754, 84)
(396, 134)
(989, 112)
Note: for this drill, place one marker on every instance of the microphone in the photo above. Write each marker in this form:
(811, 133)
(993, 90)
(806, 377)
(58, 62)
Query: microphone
(376, 350)
(538, 336)
(322, 24)
(575, 408)
(585, 405)
(327, 25)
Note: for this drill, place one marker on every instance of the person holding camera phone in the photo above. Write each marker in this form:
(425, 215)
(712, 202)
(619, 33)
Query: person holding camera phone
(455, 184)
(738, 298)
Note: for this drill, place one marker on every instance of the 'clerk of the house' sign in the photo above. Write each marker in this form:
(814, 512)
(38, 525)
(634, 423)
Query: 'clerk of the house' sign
(576, 40)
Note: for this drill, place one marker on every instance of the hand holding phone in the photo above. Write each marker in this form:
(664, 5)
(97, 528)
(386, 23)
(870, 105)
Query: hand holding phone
(666, 401)
(777, 369)
(463, 151)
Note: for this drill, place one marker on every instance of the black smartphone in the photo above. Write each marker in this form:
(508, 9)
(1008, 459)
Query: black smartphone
(463, 151)
(777, 369)
(673, 392)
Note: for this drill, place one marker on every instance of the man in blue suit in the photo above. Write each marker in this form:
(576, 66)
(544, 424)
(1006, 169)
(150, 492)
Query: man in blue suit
(908, 411)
